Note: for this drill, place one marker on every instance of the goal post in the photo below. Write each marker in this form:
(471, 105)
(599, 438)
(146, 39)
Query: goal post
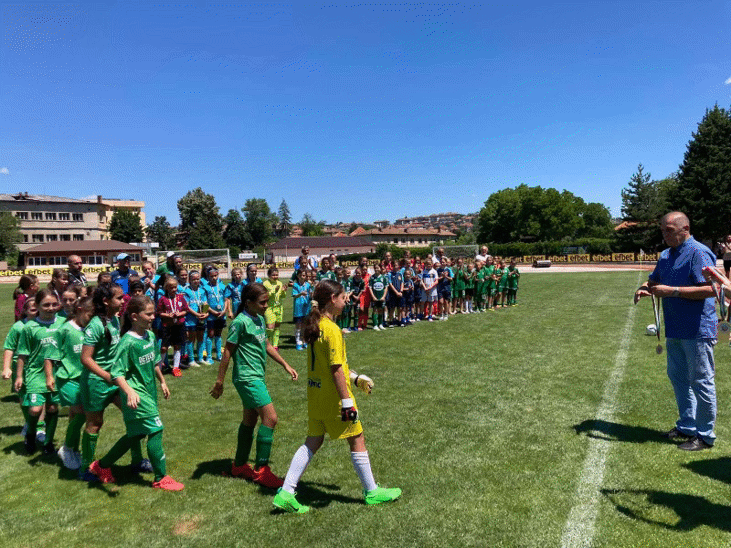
(457, 251)
(196, 259)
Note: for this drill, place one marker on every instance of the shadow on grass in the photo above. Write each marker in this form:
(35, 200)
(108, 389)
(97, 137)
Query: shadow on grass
(690, 511)
(219, 467)
(11, 398)
(11, 430)
(319, 495)
(17, 448)
(612, 431)
(717, 469)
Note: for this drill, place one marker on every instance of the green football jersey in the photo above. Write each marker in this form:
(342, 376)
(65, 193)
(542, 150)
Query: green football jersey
(490, 272)
(248, 334)
(513, 276)
(94, 335)
(70, 339)
(459, 281)
(379, 285)
(38, 343)
(135, 359)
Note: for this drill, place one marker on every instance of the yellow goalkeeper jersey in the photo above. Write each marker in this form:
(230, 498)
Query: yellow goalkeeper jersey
(323, 401)
(276, 291)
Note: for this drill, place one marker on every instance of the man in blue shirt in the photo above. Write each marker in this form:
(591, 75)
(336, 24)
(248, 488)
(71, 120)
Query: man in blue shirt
(690, 330)
(123, 272)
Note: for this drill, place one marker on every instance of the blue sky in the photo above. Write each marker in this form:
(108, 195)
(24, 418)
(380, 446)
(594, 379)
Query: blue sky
(352, 111)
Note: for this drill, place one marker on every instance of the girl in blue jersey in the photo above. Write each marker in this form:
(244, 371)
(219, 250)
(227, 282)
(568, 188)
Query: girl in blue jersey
(216, 313)
(195, 320)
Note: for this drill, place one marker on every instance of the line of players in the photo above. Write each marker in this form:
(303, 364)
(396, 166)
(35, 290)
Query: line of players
(399, 293)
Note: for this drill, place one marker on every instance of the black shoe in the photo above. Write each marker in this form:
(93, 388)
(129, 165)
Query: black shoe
(166, 369)
(676, 434)
(184, 366)
(30, 444)
(49, 449)
(694, 444)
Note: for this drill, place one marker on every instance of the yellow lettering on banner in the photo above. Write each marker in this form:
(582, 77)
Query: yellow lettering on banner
(531, 258)
(558, 259)
(601, 258)
(623, 257)
(579, 258)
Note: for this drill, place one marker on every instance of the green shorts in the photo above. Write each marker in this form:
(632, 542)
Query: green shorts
(502, 288)
(69, 392)
(96, 394)
(39, 399)
(253, 394)
(144, 426)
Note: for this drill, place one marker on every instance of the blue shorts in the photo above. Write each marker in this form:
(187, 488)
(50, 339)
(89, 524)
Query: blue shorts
(445, 293)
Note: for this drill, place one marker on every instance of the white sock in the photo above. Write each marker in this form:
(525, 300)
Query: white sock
(176, 359)
(297, 335)
(362, 465)
(297, 467)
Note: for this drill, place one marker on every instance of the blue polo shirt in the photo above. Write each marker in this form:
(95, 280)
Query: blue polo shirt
(682, 266)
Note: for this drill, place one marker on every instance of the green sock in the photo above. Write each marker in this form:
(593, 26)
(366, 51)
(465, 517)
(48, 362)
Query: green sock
(117, 451)
(51, 424)
(246, 437)
(374, 319)
(276, 337)
(156, 454)
(88, 449)
(73, 431)
(135, 448)
(263, 445)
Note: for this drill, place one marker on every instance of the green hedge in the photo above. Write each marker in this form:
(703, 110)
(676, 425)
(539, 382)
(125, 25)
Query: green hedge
(521, 249)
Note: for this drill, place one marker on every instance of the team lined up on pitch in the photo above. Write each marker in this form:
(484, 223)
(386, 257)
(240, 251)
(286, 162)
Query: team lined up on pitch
(85, 358)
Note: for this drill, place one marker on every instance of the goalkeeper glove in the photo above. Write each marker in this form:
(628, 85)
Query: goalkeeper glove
(364, 382)
(347, 411)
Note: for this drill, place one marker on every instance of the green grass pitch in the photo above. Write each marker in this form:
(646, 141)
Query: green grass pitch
(485, 422)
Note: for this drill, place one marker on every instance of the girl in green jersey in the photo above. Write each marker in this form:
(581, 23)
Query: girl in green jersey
(97, 391)
(36, 350)
(247, 345)
(70, 338)
(135, 369)
(10, 354)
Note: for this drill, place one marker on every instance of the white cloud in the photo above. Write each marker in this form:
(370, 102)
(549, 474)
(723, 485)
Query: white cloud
(727, 82)
(4, 171)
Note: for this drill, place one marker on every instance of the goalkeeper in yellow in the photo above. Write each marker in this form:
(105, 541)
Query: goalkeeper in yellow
(330, 403)
(275, 309)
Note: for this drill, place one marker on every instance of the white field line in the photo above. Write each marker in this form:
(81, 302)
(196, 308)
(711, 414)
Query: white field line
(579, 528)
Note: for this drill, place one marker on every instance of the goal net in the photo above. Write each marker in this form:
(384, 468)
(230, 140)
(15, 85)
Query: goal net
(196, 259)
(457, 251)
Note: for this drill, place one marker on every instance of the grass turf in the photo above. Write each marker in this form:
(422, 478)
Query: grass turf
(484, 421)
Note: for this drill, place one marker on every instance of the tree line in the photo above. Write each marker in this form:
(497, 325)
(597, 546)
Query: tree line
(203, 227)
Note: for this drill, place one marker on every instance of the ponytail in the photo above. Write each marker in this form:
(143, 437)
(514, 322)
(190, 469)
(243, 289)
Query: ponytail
(324, 292)
(101, 293)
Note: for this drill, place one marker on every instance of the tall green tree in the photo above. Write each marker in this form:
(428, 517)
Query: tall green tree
(126, 226)
(644, 202)
(285, 220)
(235, 232)
(10, 237)
(704, 179)
(200, 221)
(311, 227)
(534, 213)
(259, 222)
(161, 232)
